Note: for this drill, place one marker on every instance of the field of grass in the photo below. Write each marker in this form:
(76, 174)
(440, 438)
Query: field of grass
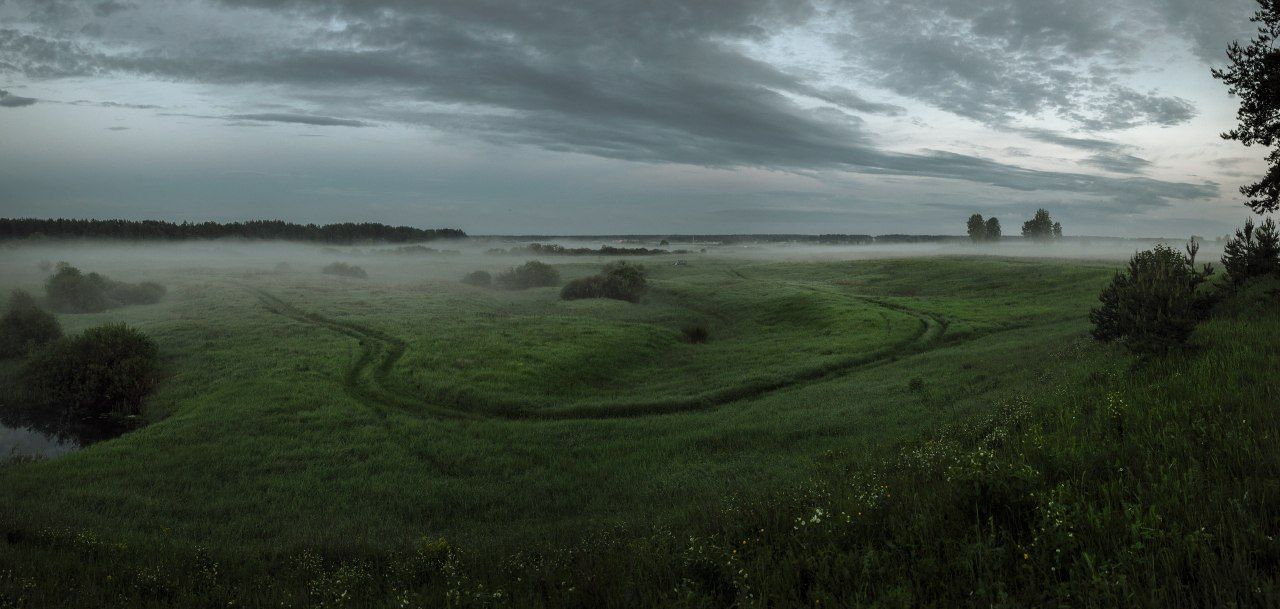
(313, 431)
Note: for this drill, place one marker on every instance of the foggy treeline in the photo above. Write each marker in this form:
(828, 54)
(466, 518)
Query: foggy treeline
(344, 233)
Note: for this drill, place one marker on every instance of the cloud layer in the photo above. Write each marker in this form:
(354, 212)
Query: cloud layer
(782, 85)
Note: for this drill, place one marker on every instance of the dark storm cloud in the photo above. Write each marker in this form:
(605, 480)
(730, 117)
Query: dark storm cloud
(9, 100)
(300, 119)
(665, 81)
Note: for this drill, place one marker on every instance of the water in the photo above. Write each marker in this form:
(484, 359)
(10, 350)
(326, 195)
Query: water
(30, 442)
(43, 434)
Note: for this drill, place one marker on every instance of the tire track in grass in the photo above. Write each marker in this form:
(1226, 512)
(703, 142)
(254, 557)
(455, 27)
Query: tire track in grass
(363, 380)
(367, 377)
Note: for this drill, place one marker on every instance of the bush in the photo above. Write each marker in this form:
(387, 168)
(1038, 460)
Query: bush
(618, 280)
(532, 274)
(26, 326)
(695, 334)
(1252, 253)
(71, 291)
(102, 372)
(1153, 305)
(583, 287)
(480, 279)
(343, 269)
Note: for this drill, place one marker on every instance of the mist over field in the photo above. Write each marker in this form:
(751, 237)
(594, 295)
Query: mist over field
(22, 262)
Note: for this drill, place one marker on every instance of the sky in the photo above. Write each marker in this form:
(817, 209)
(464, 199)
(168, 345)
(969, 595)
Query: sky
(626, 116)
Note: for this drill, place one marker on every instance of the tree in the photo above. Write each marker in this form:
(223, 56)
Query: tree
(26, 326)
(977, 228)
(993, 229)
(1252, 252)
(102, 372)
(1041, 227)
(1154, 304)
(1254, 77)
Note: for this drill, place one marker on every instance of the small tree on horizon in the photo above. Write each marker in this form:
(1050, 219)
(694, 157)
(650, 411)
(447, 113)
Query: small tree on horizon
(993, 229)
(977, 228)
(1041, 227)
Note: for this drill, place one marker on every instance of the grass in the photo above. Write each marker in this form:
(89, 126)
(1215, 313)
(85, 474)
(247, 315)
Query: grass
(910, 432)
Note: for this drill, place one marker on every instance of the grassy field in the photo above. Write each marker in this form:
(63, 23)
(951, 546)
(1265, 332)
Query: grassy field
(313, 428)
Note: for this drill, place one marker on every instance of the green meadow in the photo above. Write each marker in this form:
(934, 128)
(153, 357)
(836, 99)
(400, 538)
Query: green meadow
(408, 440)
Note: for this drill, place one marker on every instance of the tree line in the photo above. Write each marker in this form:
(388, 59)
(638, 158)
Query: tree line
(343, 233)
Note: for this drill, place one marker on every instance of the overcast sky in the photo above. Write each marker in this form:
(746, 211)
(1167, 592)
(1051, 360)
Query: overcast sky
(613, 116)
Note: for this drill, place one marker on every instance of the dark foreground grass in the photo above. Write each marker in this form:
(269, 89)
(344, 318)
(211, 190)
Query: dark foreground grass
(1101, 482)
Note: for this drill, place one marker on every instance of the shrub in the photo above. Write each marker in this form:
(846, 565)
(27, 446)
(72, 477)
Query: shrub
(619, 281)
(480, 279)
(1154, 304)
(1252, 253)
(583, 287)
(26, 326)
(71, 291)
(102, 372)
(343, 269)
(695, 334)
(532, 274)
(623, 281)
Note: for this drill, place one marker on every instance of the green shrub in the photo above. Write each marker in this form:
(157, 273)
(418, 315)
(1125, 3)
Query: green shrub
(71, 291)
(583, 287)
(481, 279)
(619, 281)
(343, 269)
(1154, 304)
(26, 326)
(532, 274)
(101, 372)
(1252, 253)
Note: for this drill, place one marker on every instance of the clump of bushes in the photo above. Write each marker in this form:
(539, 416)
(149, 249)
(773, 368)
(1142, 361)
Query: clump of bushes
(532, 274)
(619, 281)
(1155, 303)
(343, 269)
(695, 334)
(481, 279)
(103, 372)
(25, 326)
(71, 291)
(1252, 252)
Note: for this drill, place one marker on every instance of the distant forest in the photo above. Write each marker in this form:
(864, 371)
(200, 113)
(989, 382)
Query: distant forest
(156, 230)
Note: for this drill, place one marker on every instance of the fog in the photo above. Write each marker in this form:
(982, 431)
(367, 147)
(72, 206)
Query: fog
(26, 265)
